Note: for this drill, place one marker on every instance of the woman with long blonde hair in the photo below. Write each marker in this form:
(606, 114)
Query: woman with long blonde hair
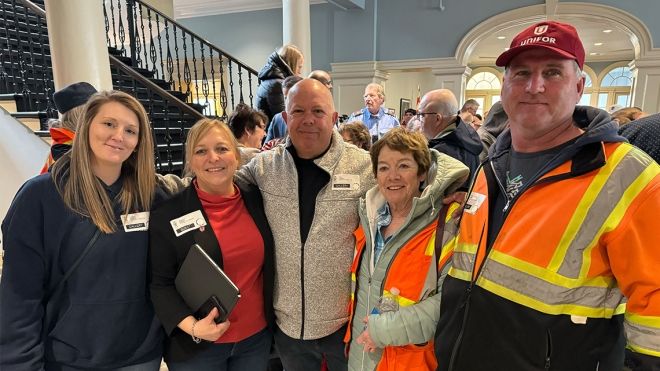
(74, 290)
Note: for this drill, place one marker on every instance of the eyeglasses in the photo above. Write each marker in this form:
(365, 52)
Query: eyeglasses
(421, 115)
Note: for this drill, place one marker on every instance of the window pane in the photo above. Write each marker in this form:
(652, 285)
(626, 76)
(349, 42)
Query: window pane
(480, 100)
(587, 81)
(483, 81)
(602, 100)
(620, 76)
(622, 100)
(496, 98)
(585, 100)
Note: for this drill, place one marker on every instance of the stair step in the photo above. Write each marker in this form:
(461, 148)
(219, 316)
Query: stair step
(162, 83)
(8, 102)
(144, 72)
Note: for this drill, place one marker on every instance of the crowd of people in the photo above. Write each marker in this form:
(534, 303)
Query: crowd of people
(442, 242)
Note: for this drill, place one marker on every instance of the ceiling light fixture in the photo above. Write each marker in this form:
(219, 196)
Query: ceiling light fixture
(607, 31)
(598, 44)
(501, 37)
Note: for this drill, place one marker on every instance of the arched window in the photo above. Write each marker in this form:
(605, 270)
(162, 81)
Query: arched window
(588, 87)
(484, 86)
(615, 86)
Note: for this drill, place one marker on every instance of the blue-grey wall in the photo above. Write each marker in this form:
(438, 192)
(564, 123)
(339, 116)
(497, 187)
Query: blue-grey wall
(249, 36)
(410, 29)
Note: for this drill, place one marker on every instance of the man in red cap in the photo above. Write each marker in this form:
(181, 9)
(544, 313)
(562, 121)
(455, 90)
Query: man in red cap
(558, 238)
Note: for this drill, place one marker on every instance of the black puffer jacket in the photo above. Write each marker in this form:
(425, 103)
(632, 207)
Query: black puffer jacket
(270, 98)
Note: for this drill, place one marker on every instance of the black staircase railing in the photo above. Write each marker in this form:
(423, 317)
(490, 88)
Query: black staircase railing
(25, 70)
(25, 66)
(170, 118)
(200, 72)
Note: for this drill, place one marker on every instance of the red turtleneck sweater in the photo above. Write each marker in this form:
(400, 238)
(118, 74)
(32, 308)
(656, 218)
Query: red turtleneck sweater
(243, 257)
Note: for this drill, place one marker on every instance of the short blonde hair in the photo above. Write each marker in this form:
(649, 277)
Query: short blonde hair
(83, 192)
(399, 139)
(291, 55)
(198, 131)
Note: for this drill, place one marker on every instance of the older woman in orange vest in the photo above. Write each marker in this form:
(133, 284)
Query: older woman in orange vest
(394, 306)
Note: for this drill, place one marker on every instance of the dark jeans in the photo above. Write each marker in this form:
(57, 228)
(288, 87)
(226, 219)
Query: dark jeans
(153, 365)
(249, 354)
(302, 355)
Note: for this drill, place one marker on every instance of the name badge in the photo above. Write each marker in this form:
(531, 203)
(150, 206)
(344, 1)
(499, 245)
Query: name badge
(346, 182)
(136, 222)
(188, 222)
(474, 202)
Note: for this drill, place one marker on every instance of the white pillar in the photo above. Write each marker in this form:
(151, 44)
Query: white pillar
(646, 84)
(296, 30)
(78, 49)
(452, 77)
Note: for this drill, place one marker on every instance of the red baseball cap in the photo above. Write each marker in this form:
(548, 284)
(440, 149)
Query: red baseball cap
(561, 38)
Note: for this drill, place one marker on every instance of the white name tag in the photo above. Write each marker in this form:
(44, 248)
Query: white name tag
(474, 202)
(578, 320)
(346, 182)
(136, 222)
(188, 222)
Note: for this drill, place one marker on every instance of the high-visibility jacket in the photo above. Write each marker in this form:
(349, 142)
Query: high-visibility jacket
(407, 272)
(61, 139)
(407, 262)
(577, 247)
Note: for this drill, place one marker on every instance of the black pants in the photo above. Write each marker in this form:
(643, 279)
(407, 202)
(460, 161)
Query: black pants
(303, 355)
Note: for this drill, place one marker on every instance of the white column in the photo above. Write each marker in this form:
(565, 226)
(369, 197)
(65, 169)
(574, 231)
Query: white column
(646, 84)
(78, 49)
(452, 77)
(296, 30)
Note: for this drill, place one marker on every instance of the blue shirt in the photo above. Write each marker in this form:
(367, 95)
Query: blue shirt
(378, 124)
(383, 220)
(277, 128)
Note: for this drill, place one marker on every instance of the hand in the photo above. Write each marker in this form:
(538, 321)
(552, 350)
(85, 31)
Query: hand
(207, 329)
(365, 339)
(459, 197)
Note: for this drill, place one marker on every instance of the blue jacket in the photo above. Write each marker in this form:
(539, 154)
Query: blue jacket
(277, 128)
(103, 317)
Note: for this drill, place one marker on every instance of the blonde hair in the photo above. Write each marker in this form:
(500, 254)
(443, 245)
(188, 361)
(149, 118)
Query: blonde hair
(83, 192)
(291, 55)
(72, 118)
(198, 131)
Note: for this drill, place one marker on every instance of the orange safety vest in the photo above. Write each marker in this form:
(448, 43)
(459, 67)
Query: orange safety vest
(407, 272)
(555, 251)
(58, 136)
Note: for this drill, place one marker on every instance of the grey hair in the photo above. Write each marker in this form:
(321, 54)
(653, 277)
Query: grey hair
(379, 89)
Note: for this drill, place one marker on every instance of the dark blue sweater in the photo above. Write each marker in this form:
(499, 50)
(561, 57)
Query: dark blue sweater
(103, 317)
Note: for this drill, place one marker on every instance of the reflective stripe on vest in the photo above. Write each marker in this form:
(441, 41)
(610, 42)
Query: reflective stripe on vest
(563, 284)
(407, 271)
(641, 333)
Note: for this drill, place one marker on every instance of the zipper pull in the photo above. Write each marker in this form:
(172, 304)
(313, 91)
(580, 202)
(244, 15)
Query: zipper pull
(506, 206)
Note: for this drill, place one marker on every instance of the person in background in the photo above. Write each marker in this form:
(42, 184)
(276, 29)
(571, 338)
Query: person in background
(311, 187)
(248, 127)
(69, 102)
(356, 133)
(557, 247)
(277, 128)
(286, 61)
(374, 116)
(74, 292)
(398, 223)
(323, 77)
(477, 121)
(238, 239)
(626, 115)
(446, 131)
(408, 115)
(470, 108)
(644, 134)
(494, 124)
